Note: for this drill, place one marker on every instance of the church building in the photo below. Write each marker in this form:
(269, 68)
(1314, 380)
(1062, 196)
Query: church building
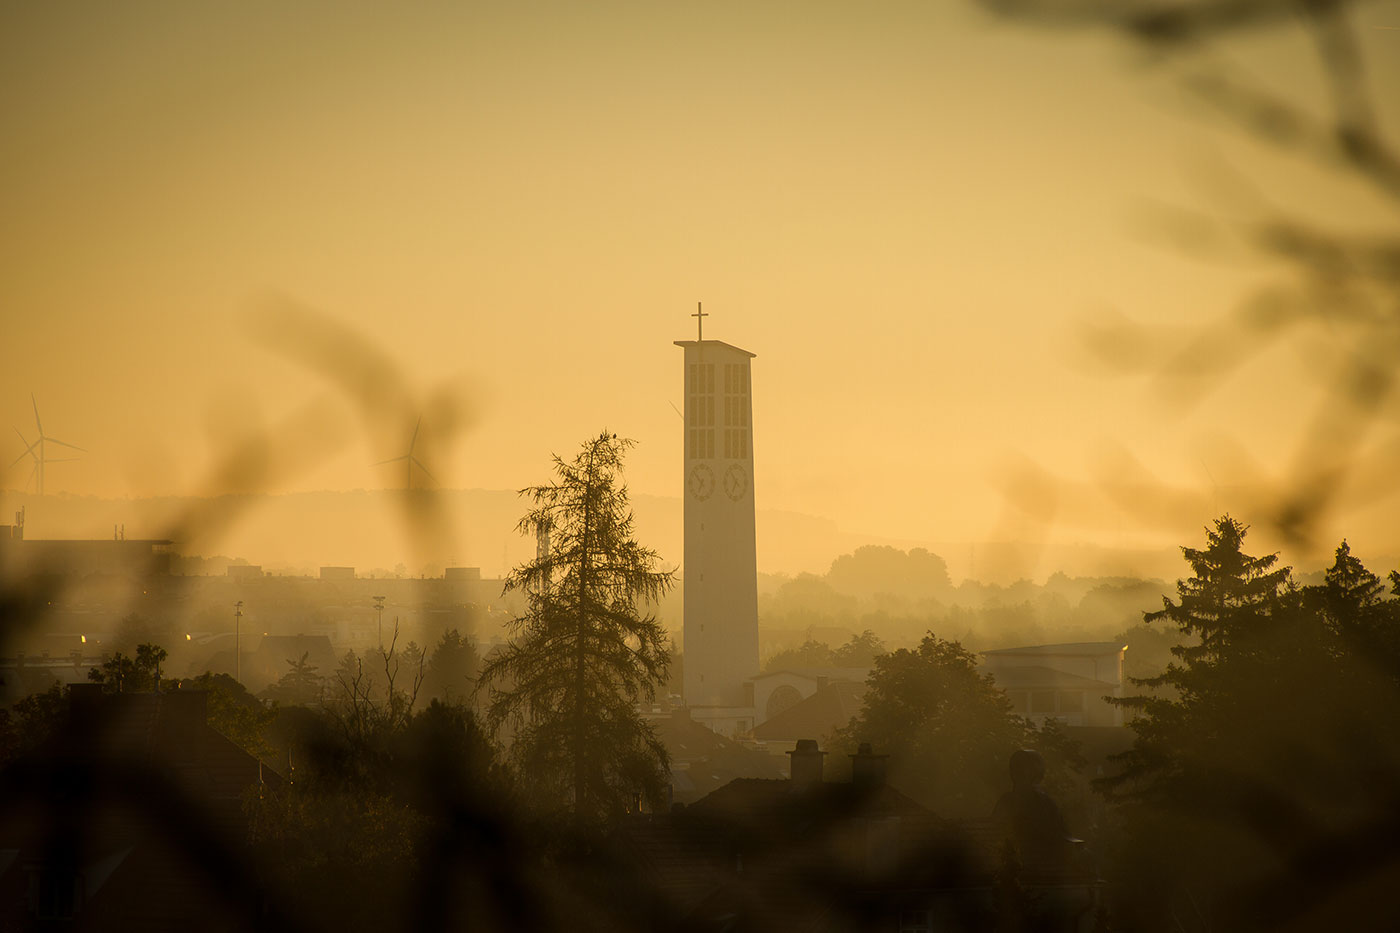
(720, 566)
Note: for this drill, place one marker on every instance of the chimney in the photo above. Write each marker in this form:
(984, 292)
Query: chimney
(805, 764)
(867, 768)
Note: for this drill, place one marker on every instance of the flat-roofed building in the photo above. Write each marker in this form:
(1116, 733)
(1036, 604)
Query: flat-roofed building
(1066, 682)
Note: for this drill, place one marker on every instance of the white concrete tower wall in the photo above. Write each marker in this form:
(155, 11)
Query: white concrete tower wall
(720, 570)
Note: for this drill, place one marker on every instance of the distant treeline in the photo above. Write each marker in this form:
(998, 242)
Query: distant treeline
(900, 595)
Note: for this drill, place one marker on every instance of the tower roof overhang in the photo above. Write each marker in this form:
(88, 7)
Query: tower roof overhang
(714, 343)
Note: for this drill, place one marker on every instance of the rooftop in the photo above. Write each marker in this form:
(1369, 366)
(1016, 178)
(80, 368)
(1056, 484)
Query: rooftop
(1077, 648)
(823, 712)
(714, 343)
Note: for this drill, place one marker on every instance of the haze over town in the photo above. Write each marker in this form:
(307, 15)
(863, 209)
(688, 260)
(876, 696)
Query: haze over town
(766, 466)
(516, 211)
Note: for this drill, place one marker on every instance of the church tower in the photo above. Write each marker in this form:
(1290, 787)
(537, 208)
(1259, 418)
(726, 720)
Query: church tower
(721, 575)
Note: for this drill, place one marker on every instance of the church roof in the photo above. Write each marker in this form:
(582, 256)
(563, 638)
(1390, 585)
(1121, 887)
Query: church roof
(714, 343)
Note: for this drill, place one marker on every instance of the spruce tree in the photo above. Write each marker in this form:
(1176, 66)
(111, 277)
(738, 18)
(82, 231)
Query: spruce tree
(1226, 611)
(584, 655)
(1224, 600)
(1351, 600)
(1271, 754)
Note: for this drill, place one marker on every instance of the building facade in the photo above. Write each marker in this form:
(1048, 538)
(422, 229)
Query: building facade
(1066, 682)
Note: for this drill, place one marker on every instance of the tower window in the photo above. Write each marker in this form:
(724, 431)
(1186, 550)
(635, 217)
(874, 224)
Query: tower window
(736, 411)
(700, 410)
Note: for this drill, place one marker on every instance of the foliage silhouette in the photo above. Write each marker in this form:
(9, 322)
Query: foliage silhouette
(584, 655)
(1276, 750)
(948, 729)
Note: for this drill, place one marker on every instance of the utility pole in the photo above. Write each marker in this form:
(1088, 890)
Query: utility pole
(237, 641)
(379, 608)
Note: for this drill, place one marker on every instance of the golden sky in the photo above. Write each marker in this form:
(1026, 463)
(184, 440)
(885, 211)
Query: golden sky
(906, 210)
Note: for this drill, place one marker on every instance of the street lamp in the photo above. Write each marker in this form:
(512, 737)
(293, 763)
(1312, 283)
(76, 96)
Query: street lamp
(237, 643)
(379, 608)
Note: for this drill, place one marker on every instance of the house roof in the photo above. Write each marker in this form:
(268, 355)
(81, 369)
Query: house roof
(152, 776)
(758, 854)
(702, 760)
(173, 728)
(825, 711)
(1074, 649)
(749, 804)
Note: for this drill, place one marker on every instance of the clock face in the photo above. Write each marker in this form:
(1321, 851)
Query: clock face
(736, 482)
(701, 481)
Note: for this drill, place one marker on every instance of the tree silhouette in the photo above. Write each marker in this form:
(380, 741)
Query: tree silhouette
(301, 685)
(1227, 593)
(452, 668)
(122, 674)
(948, 728)
(583, 655)
(1260, 793)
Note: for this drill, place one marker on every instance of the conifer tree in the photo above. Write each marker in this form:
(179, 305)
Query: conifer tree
(1265, 761)
(1227, 610)
(1352, 603)
(584, 655)
(1349, 590)
(1226, 597)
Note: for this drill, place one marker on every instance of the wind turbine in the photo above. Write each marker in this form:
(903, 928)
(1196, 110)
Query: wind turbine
(36, 449)
(409, 461)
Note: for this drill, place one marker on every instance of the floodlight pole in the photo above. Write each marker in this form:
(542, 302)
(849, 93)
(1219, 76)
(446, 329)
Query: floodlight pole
(237, 641)
(379, 608)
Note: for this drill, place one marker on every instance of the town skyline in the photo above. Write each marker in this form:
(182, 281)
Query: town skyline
(921, 222)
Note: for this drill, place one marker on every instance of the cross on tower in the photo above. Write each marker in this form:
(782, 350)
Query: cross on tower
(699, 316)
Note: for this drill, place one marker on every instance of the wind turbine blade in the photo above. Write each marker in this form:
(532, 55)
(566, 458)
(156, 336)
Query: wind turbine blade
(64, 444)
(414, 440)
(62, 459)
(37, 422)
(28, 448)
(394, 460)
(420, 466)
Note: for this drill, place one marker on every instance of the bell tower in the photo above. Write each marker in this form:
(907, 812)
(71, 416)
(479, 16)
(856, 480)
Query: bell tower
(720, 568)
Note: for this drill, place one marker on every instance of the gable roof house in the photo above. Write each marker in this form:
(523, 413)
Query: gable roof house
(805, 854)
(130, 818)
(702, 760)
(831, 707)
